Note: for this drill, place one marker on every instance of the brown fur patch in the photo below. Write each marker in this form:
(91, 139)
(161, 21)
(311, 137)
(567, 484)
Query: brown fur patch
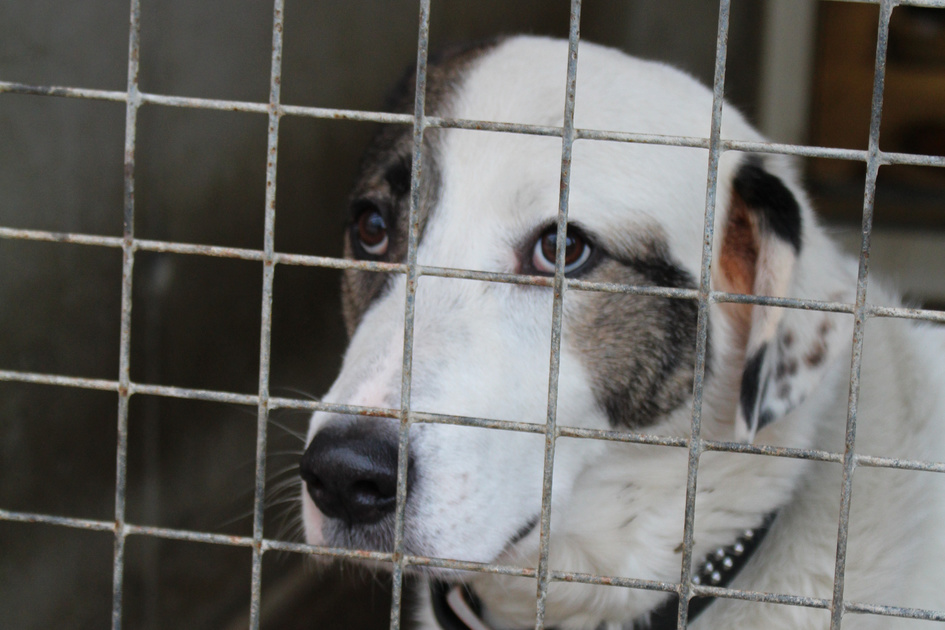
(816, 355)
(388, 160)
(738, 258)
(640, 350)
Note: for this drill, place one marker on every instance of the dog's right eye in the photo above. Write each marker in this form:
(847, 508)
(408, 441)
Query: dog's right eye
(370, 232)
(576, 254)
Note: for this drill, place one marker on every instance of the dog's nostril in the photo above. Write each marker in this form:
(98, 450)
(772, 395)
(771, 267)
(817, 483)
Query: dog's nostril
(350, 471)
(370, 491)
(311, 480)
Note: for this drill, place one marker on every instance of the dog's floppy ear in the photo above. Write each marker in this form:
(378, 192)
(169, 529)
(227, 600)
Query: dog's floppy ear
(756, 254)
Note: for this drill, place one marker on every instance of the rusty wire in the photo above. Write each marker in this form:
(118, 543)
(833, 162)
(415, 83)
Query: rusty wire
(544, 574)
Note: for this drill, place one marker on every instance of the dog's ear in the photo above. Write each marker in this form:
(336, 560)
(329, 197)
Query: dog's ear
(784, 350)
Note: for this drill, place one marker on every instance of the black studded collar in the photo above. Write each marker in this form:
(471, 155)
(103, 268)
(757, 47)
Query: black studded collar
(456, 607)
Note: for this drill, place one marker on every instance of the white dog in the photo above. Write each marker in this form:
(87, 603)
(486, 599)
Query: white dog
(773, 376)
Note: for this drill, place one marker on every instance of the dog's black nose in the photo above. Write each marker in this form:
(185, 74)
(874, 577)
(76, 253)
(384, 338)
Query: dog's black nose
(350, 469)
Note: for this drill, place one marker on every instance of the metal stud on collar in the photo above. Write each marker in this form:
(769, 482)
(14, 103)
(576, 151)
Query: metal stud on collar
(720, 563)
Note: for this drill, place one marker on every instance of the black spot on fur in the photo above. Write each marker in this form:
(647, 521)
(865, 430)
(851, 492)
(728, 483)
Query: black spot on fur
(769, 197)
(751, 381)
(766, 418)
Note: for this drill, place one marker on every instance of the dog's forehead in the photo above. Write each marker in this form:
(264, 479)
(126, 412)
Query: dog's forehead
(498, 185)
(522, 80)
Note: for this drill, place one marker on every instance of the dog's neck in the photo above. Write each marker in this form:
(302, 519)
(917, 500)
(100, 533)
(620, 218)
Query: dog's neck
(456, 607)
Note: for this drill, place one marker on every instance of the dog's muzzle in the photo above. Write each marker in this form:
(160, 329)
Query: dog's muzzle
(350, 469)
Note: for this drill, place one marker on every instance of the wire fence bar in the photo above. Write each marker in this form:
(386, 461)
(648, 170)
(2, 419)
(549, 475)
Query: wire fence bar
(923, 614)
(873, 461)
(872, 310)
(859, 155)
(715, 145)
(853, 155)
(567, 144)
(906, 313)
(412, 279)
(486, 423)
(504, 425)
(265, 335)
(331, 262)
(426, 417)
(462, 565)
(860, 314)
(13, 87)
(124, 362)
(52, 519)
(467, 566)
(702, 326)
(932, 4)
(888, 158)
(57, 379)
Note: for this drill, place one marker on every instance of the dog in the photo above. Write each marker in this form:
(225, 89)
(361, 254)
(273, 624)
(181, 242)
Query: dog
(776, 376)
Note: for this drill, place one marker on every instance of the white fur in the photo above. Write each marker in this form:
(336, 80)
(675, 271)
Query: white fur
(481, 350)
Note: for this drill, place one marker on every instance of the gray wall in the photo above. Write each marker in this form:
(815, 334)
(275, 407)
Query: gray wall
(200, 178)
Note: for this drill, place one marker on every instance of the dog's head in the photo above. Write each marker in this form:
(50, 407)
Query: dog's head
(488, 202)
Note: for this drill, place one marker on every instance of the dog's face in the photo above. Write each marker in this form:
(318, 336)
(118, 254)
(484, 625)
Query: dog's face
(488, 202)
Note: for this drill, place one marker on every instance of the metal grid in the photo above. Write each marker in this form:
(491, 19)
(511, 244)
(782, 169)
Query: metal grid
(544, 574)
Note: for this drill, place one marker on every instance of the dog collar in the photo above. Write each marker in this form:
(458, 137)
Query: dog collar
(456, 607)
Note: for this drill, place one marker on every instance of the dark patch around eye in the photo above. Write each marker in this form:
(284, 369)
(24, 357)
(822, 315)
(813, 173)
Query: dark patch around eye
(386, 169)
(398, 177)
(359, 206)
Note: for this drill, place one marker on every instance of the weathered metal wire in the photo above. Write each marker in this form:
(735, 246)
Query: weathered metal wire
(413, 277)
(685, 589)
(544, 573)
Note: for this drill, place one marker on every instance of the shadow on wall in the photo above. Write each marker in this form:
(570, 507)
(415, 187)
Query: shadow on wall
(200, 178)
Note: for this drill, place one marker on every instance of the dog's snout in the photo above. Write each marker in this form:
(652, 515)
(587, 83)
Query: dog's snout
(350, 470)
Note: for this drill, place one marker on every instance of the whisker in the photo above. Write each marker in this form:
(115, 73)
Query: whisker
(292, 468)
(284, 498)
(290, 527)
(235, 519)
(292, 453)
(299, 435)
(296, 390)
(285, 476)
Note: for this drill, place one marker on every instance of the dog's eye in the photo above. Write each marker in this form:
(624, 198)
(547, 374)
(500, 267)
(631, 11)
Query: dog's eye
(576, 254)
(370, 231)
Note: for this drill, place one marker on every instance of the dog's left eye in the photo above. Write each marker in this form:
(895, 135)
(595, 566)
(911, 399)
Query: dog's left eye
(370, 232)
(576, 254)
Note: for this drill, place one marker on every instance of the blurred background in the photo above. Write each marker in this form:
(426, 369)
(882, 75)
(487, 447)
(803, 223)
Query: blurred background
(802, 70)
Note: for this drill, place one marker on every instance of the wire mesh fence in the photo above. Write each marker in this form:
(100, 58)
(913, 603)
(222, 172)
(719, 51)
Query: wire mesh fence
(265, 403)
